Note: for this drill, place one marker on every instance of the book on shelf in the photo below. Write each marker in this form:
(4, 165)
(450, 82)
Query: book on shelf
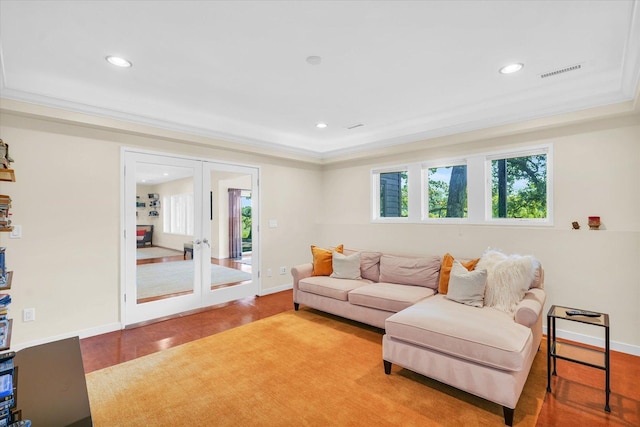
(6, 365)
(6, 386)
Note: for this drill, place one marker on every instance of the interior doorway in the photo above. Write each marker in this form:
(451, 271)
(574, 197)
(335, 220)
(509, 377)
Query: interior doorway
(178, 221)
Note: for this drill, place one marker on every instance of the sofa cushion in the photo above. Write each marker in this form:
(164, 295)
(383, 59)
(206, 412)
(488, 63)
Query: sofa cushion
(482, 335)
(410, 271)
(445, 271)
(467, 287)
(322, 260)
(389, 296)
(538, 276)
(330, 287)
(346, 266)
(370, 265)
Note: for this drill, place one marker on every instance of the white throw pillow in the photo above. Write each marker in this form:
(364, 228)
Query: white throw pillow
(346, 266)
(466, 287)
(508, 279)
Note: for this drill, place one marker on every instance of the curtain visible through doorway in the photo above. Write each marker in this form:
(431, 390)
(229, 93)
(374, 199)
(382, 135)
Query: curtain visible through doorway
(235, 223)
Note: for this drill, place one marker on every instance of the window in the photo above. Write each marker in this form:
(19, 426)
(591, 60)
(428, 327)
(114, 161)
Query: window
(178, 214)
(519, 187)
(446, 192)
(393, 194)
(507, 187)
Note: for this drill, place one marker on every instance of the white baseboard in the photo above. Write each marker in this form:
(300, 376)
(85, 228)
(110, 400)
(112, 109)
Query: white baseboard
(587, 339)
(276, 289)
(85, 333)
(103, 329)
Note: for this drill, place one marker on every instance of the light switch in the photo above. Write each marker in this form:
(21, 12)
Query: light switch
(16, 233)
(273, 223)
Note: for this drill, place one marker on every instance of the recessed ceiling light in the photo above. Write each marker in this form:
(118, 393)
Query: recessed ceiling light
(321, 125)
(314, 60)
(511, 68)
(118, 62)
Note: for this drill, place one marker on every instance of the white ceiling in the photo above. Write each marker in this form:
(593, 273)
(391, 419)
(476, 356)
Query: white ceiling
(237, 71)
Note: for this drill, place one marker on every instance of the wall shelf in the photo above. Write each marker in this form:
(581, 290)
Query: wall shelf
(9, 280)
(7, 175)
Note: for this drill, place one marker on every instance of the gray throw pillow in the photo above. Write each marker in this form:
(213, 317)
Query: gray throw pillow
(466, 287)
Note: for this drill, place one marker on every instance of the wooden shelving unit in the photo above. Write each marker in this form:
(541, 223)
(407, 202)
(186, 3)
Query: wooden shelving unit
(8, 374)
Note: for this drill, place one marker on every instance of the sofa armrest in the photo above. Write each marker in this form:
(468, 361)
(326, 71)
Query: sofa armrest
(300, 272)
(530, 308)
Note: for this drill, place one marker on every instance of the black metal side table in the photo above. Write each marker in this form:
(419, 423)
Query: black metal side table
(595, 358)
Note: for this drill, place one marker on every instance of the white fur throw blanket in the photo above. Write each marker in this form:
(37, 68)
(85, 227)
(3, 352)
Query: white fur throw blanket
(508, 278)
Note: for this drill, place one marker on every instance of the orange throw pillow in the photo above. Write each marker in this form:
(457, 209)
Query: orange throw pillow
(323, 260)
(445, 271)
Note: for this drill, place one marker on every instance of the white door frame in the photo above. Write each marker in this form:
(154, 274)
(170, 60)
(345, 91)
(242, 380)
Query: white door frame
(202, 295)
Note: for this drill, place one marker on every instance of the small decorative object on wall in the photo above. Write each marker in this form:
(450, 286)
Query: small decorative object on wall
(575, 225)
(5, 205)
(6, 173)
(594, 222)
(5, 159)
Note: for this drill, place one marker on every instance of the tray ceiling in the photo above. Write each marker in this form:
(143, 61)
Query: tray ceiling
(387, 73)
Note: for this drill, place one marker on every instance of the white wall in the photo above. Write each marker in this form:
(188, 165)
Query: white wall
(597, 172)
(67, 199)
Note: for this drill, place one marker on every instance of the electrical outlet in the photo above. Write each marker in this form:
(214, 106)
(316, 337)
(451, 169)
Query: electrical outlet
(283, 270)
(29, 315)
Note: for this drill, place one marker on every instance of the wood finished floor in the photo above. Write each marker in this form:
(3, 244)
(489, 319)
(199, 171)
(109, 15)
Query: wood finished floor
(577, 397)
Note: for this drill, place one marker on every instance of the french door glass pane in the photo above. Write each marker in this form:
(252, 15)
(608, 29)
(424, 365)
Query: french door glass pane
(164, 200)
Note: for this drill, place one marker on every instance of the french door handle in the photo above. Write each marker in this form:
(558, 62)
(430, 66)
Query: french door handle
(206, 241)
(197, 242)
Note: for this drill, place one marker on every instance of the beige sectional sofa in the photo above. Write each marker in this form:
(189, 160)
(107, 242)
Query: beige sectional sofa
(484, 350)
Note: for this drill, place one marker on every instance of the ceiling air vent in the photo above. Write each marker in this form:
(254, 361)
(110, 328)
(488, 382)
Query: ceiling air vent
(561, 71)
(354, 126)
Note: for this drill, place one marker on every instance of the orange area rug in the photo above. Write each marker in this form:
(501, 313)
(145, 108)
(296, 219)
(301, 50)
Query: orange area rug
(301, 368)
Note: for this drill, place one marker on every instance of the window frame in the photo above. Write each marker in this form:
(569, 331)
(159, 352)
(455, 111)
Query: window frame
(424, 190)
(479, 191)
(531, 151)
(188, 202)
(375, 194)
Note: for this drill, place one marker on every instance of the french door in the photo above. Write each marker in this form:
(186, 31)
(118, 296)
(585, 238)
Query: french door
(190, 234)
